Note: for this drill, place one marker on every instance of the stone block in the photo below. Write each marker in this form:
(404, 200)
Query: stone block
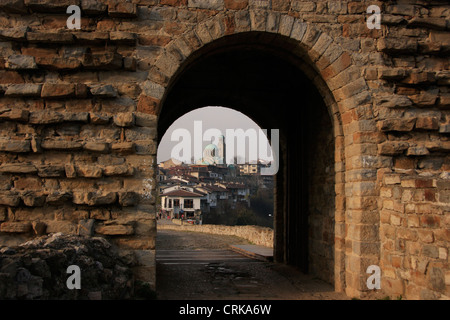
(27, 183)
(21, 168)
(66, 227)
(206, 4)
(123, 147)
(57, 198)
(397, 46)
(427, 123)
(147, 105)
(393, 286)
(401, 125)
(430, 221)
(430, 251)
(128, 38)
(24, 90)
(92, 37)
(420, 77)
(393, 101)
(15, 146)
(391, 73)
(9, 198)
(417, 151)
(319, 48)
(120, 9)
(236, 4)
(145, 120)
(15, 227)
(310, 37)
(89, 171)
(33, 199)
(45, 117)
(58, 64)
(93, 7)
(115, 230)
(285, 26)
(59, 144)
(125, 119)
(128, 198)
(103, 91)
(63, 90)
(103, 61)
(50, 37)
(14, 34)
(303, 6)
(102, 147)
(140, 133)
(76, 117)
(15, 114)
(21, 62)
(96, 198)
(340, 64)
(425, 98)
(118, 170)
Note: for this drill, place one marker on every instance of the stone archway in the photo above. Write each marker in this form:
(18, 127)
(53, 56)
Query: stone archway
(326, 66)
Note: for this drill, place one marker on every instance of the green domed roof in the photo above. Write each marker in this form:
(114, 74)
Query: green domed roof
(211, 147)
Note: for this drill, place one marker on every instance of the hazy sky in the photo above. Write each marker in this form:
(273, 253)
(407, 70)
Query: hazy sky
(212, 117)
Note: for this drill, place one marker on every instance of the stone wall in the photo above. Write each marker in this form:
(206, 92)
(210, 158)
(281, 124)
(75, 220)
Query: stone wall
(78, 114)
(257, 235)
(76, 155)
(321, 198)
(414, 233)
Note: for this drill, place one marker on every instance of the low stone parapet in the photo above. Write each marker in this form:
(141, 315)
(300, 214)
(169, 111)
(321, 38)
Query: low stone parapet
(262, 236)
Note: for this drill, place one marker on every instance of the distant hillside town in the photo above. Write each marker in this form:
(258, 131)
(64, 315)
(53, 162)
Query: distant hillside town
(214, 192)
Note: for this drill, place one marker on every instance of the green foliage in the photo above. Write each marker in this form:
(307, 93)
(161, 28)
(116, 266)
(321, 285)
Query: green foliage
(143, 291)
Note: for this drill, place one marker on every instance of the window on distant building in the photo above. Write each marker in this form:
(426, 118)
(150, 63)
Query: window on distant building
(176, 202)
(188, 203)
(170, 203)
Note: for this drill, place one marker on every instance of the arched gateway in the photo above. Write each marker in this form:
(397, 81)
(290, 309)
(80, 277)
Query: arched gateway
(363, 119)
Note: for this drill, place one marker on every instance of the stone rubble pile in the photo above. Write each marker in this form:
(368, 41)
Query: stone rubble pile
(37, 269)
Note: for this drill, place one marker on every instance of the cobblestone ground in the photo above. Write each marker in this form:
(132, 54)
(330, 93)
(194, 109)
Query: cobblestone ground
(228, 279)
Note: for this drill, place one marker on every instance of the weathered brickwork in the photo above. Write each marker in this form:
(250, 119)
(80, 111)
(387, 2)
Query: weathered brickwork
(79, 112)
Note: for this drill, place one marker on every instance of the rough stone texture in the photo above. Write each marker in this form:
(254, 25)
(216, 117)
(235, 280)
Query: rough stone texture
(36, 270)
(70, 97)
(257, 235)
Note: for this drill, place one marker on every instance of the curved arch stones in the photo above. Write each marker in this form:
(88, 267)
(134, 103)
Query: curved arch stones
(325, 63)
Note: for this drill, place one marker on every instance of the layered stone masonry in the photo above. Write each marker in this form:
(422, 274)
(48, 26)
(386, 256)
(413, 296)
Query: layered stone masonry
(78, 113)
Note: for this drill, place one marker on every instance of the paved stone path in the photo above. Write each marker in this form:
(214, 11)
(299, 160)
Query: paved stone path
(179, 257)
(194, 266)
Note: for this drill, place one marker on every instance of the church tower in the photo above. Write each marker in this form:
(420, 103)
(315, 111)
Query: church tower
(221, 146)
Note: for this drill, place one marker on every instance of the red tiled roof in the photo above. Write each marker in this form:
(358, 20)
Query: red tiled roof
(213, 188)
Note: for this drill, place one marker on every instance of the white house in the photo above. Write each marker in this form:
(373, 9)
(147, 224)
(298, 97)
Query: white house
(181, 203)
